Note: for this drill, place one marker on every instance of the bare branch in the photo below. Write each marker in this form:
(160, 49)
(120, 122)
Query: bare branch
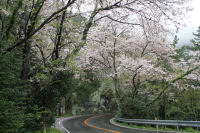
(134, 24)
(101, 18)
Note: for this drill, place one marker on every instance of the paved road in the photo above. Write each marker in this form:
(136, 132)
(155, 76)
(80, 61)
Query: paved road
(96, 124)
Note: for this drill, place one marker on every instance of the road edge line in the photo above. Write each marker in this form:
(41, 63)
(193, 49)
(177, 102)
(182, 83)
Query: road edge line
(114, 123)
(61, 125)
(59, 122)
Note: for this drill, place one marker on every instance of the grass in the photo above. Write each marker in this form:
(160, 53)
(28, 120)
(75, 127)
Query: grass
(161, 128)
(65, 115)
(52, 130)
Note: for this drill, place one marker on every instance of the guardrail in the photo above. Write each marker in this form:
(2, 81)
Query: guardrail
(176, 123)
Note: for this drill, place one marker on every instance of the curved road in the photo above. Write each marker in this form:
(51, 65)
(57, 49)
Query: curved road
(96, 124)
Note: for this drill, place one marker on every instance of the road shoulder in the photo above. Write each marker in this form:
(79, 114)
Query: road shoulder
(59, 123)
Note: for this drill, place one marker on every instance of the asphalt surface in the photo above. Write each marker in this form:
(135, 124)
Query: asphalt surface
(96, 124)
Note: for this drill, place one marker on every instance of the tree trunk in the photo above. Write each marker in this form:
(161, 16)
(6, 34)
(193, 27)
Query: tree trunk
(26, 61)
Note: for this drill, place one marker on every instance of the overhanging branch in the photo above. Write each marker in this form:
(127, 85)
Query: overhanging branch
(70, 2)
(171, 82)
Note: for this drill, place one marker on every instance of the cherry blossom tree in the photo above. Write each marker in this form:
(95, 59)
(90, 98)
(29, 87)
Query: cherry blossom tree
(117, 52)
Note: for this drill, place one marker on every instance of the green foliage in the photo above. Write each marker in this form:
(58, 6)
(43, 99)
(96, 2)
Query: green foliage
(181, 53)
(11, 116)
(12, 18)
(33, 119)
(29, 105)
(87, 85)
(133, 107)
(11, 98)
(46, 98)
(103, 98)
(196, 40)
(28, 108)
(175, 41)
(52, 130)
(164, 63)
(175, 113)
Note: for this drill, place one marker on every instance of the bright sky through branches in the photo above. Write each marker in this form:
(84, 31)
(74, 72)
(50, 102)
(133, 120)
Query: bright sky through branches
(192, 23)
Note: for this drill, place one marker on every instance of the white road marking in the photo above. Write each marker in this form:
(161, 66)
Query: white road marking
(60, 122)
(61, 125)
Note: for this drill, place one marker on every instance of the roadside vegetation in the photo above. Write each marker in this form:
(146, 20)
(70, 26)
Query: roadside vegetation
(58, 57)
(52, 130)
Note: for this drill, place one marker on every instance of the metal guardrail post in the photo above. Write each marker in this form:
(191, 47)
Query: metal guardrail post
(177, 127)
(157, 128)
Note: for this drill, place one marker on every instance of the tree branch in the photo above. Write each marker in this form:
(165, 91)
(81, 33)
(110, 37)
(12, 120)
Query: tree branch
(134, 24)
(171, 82)
(41, 26)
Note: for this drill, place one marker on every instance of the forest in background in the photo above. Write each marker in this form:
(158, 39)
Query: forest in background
(94, 56)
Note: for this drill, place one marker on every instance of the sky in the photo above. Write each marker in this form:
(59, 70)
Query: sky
(192, 24)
